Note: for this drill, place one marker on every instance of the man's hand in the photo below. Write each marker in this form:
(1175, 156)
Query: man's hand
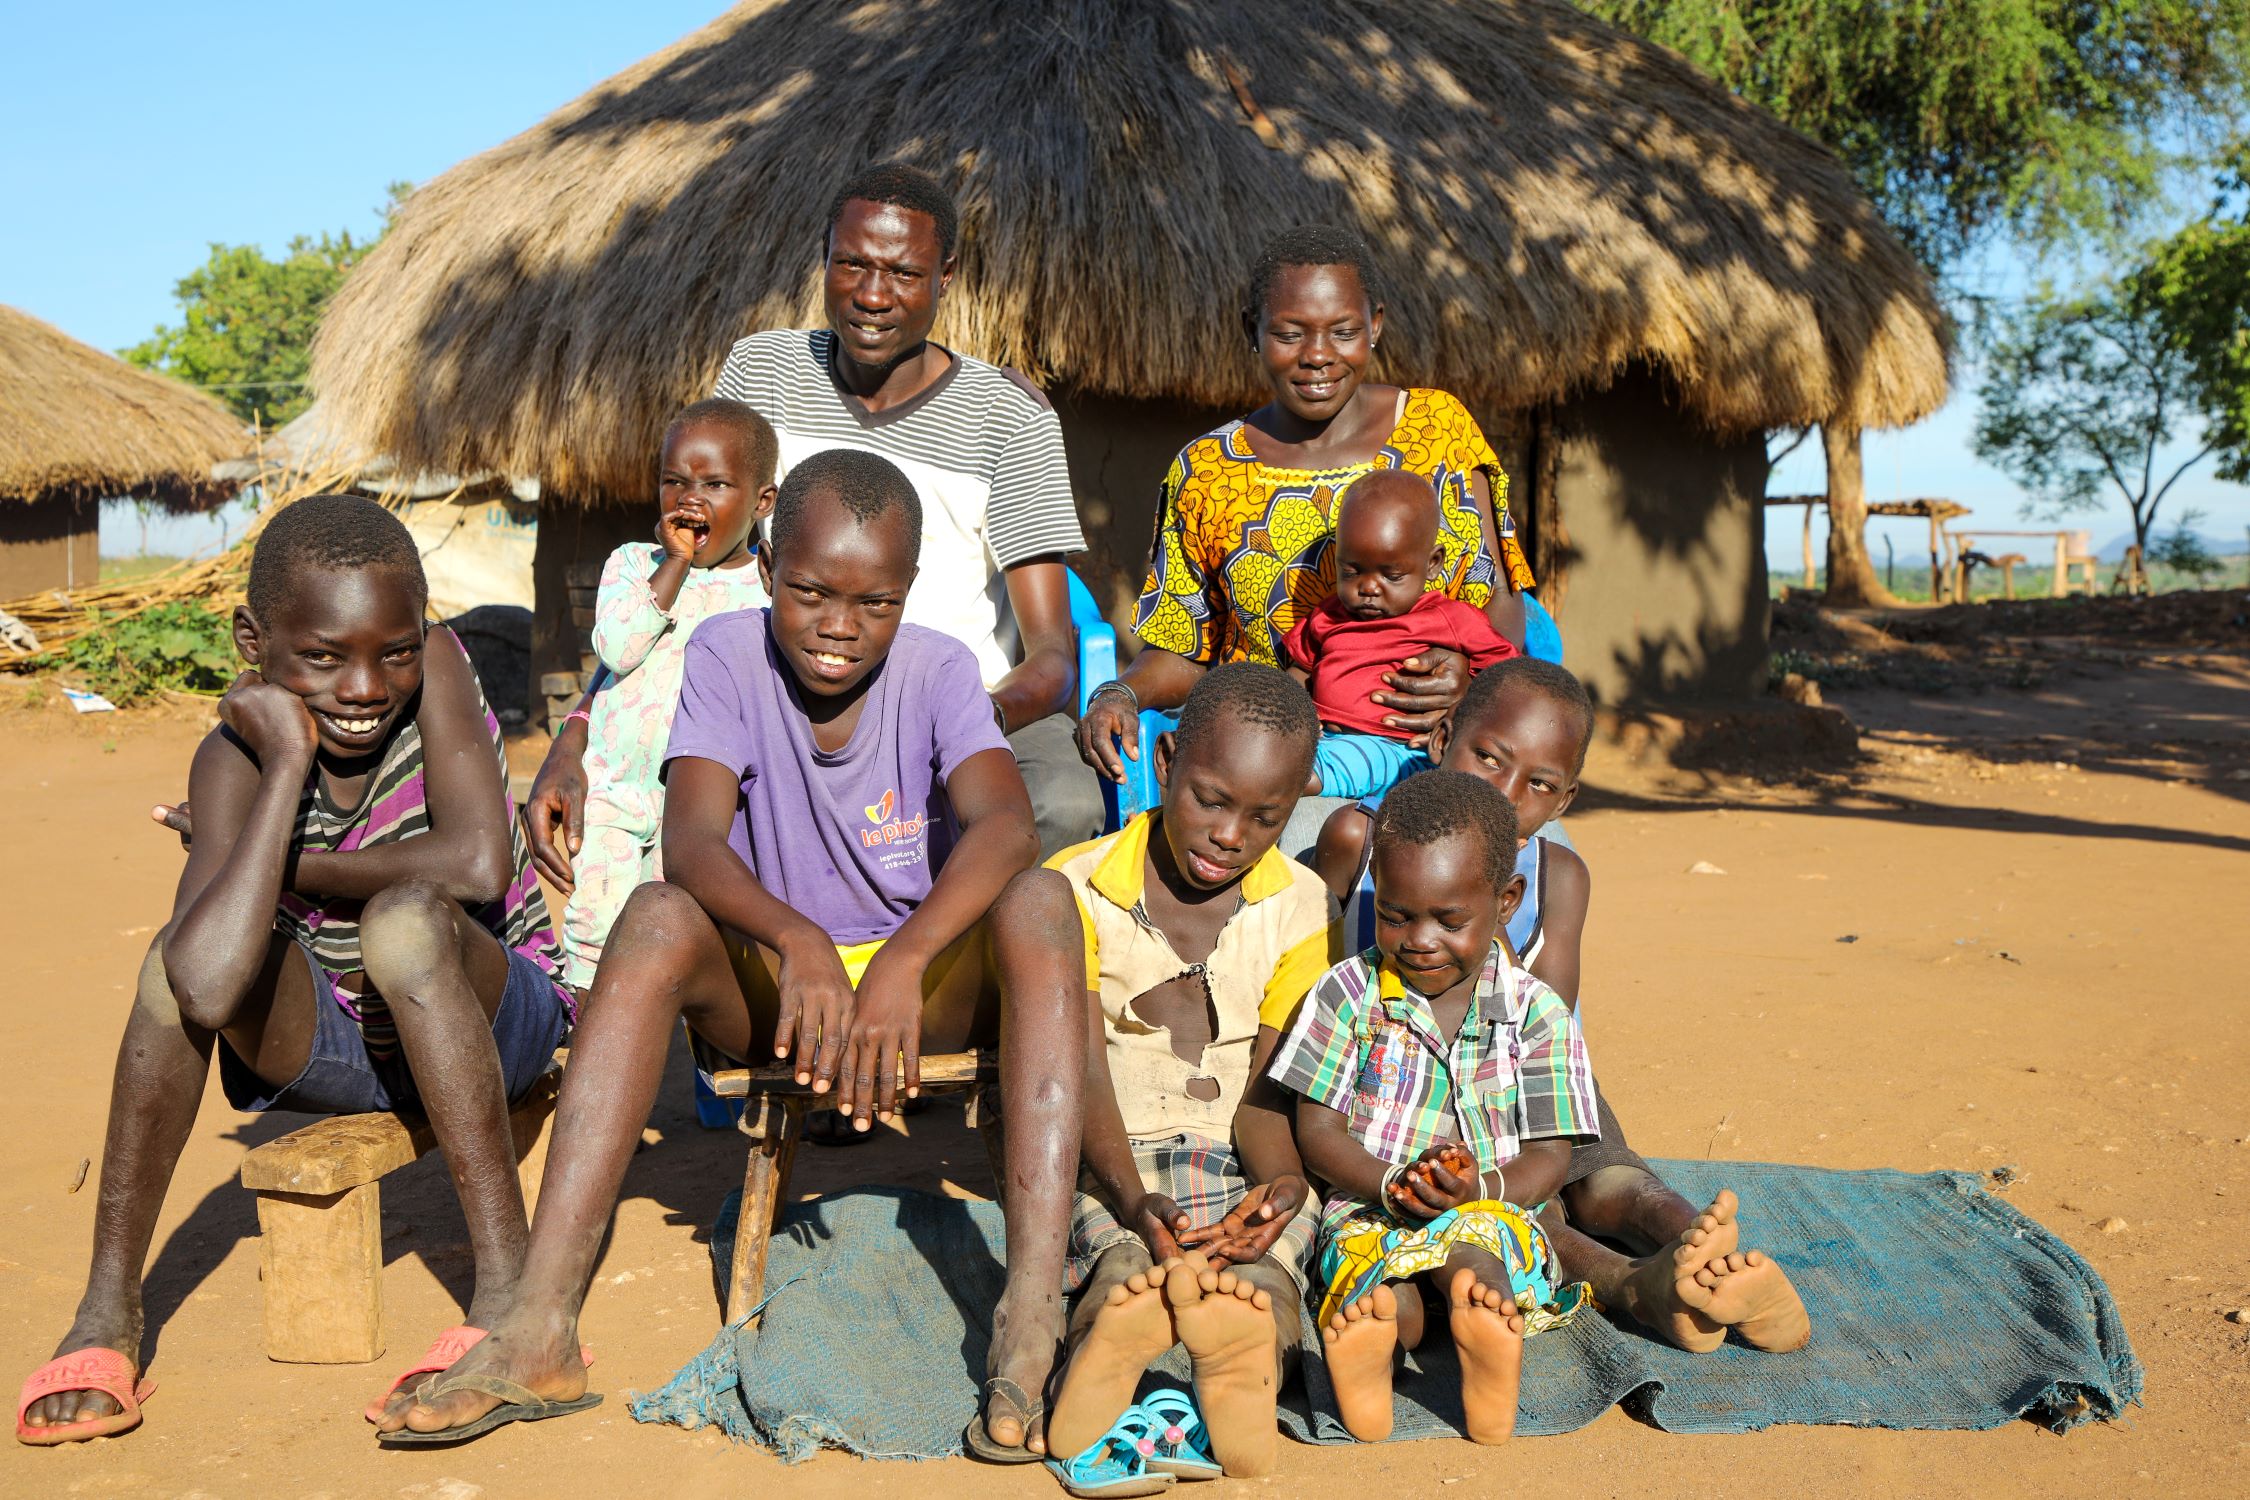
(554, 815)
(272, 721)
(885, 1042)
(1109, 720)
(816, 1010)
(1160, 1223)
(1441, 1178)
(177, 817)
(1423, 691)
(1250, 1229)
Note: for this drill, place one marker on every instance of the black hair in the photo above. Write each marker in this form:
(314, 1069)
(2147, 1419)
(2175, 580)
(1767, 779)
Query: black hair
(1249, 693)
(1309, 245)
(902, 187)
(867, 485)
(761, 450)
(330, 531)
(1427, 809)
(1543, 677)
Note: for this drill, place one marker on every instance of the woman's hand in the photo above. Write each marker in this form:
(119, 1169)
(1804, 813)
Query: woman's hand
(1423, 690)
(884, 1043)
(1110, 720)
(272, 721)
(1441, 1178)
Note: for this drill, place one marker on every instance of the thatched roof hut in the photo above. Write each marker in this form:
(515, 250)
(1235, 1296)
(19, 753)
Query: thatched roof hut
(1558, 207)
(78, 426)
(76, 423)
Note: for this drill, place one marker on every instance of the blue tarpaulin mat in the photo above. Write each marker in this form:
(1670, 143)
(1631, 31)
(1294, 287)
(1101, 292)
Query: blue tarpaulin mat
(1934, 1305)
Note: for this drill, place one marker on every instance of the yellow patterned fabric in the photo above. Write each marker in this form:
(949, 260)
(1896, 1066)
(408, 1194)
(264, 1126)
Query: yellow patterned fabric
(1362, 1247)
(1244, 550)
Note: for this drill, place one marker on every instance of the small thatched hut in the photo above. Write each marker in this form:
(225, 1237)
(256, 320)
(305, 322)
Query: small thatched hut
(78, 426)
(1627, 273)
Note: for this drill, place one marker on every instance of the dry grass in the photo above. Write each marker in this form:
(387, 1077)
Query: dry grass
(1550, 198)
(76, 421)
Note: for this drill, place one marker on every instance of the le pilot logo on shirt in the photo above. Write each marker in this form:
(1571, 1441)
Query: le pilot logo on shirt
(885, 826)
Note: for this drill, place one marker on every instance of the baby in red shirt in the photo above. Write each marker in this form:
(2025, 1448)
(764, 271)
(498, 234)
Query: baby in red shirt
(1383, 612)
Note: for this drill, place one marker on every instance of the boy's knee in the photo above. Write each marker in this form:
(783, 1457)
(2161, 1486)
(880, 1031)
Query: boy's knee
(153, 992)
(406, 932)
(657, 919)
(1033, 909)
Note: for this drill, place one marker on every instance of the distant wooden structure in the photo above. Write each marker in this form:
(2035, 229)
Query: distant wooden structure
(2074, 565)
(1936, 512)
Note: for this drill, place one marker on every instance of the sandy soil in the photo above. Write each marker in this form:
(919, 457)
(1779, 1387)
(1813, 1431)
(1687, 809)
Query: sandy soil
(2046, 898)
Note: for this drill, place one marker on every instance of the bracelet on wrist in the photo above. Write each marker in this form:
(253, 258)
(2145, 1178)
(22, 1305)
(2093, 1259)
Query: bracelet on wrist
(1117, 685)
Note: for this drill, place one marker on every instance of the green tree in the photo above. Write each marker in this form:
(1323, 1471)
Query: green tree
(2079, 395)
(247, 321)
(2053, 121)
(2198, 281)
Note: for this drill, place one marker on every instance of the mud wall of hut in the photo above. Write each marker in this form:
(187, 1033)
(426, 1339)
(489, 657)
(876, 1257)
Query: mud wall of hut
(48, 544)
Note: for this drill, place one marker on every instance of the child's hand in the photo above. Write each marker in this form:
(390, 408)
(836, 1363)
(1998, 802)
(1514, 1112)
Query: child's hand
(272, 721)
(816, 1010)
(1441, 1178)
(1160, 1223)
(1250, 1229)
(683, 528)
(885, 1041)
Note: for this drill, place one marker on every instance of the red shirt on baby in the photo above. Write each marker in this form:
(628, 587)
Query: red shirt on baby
(1347, 658)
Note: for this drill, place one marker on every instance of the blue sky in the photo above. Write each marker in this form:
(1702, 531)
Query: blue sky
(133, 135)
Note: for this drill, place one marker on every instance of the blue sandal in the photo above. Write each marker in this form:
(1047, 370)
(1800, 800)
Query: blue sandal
(1116, 1465)
(1183, 1447)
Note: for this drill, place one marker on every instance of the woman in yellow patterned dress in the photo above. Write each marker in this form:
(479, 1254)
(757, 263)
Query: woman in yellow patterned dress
(1245, 535)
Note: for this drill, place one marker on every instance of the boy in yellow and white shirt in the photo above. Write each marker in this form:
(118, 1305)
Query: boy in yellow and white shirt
(1200, 940)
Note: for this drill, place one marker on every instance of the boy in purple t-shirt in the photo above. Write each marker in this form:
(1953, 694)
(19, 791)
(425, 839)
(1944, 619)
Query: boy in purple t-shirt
(843, 831)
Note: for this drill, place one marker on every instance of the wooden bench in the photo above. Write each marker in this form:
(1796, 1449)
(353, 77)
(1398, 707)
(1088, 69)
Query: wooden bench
(775, 1121)
(320, 1223)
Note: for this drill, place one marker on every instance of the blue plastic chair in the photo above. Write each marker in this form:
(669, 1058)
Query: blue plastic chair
(1097, 664)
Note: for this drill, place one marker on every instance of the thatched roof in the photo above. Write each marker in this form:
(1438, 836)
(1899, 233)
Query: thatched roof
(77, 422)
(1552, 200)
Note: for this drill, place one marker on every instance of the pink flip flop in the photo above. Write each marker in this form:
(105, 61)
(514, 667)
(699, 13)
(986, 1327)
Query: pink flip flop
(443, 1353)
(103, 1370)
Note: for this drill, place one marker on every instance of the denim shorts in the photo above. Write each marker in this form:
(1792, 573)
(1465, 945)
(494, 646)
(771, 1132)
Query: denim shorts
(341, 1079)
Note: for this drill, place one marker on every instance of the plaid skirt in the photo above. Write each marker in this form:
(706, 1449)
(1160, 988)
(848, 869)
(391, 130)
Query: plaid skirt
(1362, 1247)
(1203, 1176)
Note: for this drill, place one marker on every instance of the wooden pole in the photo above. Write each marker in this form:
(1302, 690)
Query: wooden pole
(1812, 579)
(2062, 566)
(1937, 566)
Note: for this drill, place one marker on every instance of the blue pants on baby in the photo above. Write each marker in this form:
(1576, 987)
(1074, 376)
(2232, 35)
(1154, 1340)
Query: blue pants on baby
(1363, 765)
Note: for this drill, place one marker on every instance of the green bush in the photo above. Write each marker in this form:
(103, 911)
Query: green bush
(184, 646)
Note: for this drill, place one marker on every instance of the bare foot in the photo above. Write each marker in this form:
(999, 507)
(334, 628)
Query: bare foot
(542, 1359)
(1488, 1335)
(1133, 1328)
(1750, 1293)
(117, 1328)
(1660, 1291)
(1362, 1347)
(1227, 1325)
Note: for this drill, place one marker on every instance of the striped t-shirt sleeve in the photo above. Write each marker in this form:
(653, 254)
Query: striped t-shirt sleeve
(747, 375)
(1031, 512)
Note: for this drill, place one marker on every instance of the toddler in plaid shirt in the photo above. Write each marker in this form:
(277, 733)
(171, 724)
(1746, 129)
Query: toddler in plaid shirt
(1438, 1088)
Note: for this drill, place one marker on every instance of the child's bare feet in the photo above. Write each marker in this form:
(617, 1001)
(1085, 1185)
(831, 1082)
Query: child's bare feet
(1133, 1328)
(1660, 1292)
(1750, 1293)
(543, 1359)
(1488, 1336)
(1227, 1325)
(1362, 1347)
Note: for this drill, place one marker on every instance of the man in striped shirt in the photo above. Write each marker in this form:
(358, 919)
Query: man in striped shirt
(985, 452)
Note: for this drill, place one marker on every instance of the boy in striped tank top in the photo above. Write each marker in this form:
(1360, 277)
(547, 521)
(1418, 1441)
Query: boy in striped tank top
(1523, 726)
(357, 929)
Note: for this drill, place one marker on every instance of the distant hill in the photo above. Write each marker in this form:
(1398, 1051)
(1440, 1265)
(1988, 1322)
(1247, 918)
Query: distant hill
(2218, 544)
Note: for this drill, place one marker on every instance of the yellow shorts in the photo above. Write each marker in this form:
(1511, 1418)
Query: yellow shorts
(962, 962)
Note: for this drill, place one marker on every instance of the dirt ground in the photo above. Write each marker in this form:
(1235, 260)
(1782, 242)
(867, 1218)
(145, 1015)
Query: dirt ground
(2044, 888)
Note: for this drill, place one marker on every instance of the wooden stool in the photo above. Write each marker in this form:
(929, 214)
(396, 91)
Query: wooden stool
(320, 1223)
(775, 1121)
(2007, 563)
